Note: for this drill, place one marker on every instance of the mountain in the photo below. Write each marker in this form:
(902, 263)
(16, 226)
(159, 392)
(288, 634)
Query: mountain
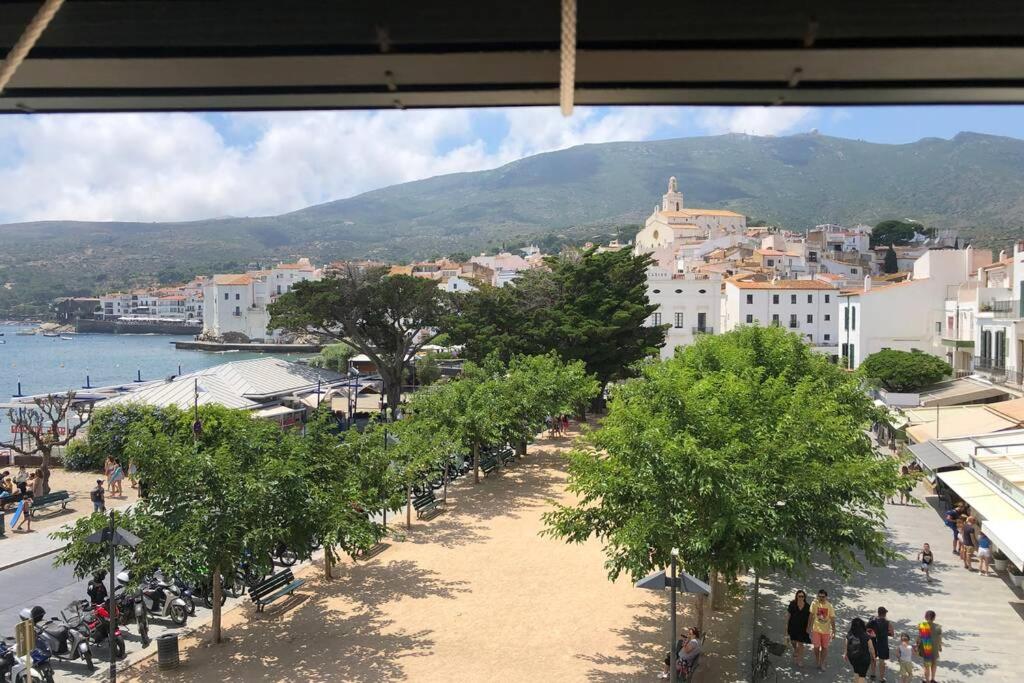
(973, 182)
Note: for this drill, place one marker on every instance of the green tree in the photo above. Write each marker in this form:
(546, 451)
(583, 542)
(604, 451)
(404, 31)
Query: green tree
(904, 370)
(333, 357)
(744, 451)
(108, 433)
(891, 264)
(48, 422)
(427, 370)
(387, 317)
(592, 307)
(458, 257)
(897, 232)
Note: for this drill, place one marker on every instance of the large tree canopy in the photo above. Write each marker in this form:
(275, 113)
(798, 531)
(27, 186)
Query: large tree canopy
(387, 317)
(897, 232)
(591, 307)
(904, 370)
(745, 450)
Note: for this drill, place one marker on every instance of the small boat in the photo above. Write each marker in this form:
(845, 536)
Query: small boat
(66, 337)
(51, 334)
(3, 341)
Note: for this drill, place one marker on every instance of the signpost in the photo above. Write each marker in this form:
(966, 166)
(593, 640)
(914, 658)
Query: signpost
(112, 536)
(688, 584)
(25, 642)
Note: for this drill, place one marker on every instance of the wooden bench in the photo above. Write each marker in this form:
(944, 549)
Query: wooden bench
(488, 462)
(425, 503)
(277, 586)
(52, 498)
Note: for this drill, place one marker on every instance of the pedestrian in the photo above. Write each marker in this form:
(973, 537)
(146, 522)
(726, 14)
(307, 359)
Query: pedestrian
(133, 473)
(950, 518)
(21, 478)
(37, 485)
(565, 424)
(970, 542)
(96, 495)
(959, 542)
(7, 487)
(96, 590)
(117, 480)
(926, 559)
(796, 625)
(906, 485)
(549, 422)
(905, 656)
(883, 630)
(858, 649)
(984, 553)
(822, 627)
(679, 643)
(26, 514)
(108, 472)
(929, 644)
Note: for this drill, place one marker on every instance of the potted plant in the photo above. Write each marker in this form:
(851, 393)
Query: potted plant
(999, 560)
(1016, 577)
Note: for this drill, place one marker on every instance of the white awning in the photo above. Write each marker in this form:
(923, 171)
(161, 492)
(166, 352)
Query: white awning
(276, 411)
(984, 498)
(1008, 536)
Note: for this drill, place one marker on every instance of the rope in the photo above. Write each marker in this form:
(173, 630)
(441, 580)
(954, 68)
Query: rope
(568, 76)
(27, 41)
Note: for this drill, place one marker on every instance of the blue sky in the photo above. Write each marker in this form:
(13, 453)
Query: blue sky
(188, 166)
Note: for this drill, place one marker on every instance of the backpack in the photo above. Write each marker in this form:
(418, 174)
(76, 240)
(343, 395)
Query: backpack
(96, 495)
(854, 648)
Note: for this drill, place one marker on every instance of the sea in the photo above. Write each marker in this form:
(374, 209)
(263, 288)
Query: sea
(45, 364)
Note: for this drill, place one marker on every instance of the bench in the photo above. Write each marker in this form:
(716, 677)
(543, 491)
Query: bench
(425, 502)
(507, 456)
(276, 586)
(50, 499)
(488, 462)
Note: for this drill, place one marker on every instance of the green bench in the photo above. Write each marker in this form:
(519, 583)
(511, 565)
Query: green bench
(275, 587)
(508, 456)
(489, 462)
(51, 499)
(425, 503)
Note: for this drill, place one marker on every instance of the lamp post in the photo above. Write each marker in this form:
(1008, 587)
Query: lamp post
(197, 424)
(113, 536)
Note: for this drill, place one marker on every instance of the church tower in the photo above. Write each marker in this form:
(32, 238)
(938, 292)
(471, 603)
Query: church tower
(673, 199)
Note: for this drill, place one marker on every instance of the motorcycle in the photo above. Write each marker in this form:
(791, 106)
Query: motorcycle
(95, 619)
(131, 611)
(185, 592)
(284, 555)
(59, 638)
(158, 600)
(13, 670)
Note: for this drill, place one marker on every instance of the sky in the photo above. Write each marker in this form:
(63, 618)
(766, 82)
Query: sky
(179, 166)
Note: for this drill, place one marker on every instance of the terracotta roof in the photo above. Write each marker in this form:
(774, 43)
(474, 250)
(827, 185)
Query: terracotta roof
(999, 264)
(770, 252)
(875, 287)
(294, 266)
(232, 280)
(780, 284)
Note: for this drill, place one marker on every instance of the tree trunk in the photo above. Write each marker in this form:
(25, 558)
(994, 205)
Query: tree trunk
(521, 448)
(392, 380)
(717, 592)
(476, 462)
(700, 612)
(46, 452)
(328, 563)
(408, 506)
(215, 624)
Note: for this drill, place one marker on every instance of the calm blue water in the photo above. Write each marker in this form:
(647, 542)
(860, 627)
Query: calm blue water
(50, 364)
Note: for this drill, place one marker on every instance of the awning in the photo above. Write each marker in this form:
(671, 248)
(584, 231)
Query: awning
(276, 411)
(986, 501)
(956, 421)
(1008, 535)
(959, 392)
(934, 457)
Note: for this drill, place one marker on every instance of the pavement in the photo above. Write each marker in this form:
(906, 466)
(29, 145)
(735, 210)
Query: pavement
(982, 617)
(19, 548)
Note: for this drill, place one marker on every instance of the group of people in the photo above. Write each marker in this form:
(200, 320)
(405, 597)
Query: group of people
(557, 424)
(22, 486)
(866, 646)
(968, 539)
(688, 649)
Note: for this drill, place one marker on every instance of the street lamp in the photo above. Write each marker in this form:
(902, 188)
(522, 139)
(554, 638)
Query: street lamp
(113, 536)
(686, 583)
(197, 424)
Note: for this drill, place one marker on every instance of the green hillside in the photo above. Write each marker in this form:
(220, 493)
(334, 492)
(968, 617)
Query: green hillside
(973, 182)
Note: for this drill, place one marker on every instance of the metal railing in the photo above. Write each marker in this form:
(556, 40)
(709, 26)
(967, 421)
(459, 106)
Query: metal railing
(989, 364)
(1006, 306)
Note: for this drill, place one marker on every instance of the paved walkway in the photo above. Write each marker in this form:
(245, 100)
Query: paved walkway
(982, 617)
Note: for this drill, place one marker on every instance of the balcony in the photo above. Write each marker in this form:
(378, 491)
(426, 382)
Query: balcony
(995, 370)
(703, 330)
(989, 364)
(1005, 308)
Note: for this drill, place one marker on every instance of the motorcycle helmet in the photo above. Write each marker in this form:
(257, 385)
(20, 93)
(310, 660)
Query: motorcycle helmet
(35, 614)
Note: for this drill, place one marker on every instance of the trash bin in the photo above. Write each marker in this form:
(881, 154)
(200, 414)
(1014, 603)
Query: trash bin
(167, 651)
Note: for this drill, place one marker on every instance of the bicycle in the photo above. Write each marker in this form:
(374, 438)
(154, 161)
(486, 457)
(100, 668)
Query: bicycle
(762, 663)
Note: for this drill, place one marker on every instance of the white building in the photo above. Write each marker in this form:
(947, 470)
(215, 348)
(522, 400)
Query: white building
(238, 303)
(806, 307)
(672, 223)
(690, 303)
(906, 315)
(454, 283)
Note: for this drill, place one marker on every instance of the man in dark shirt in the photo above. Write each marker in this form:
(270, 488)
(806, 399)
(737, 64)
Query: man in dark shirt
(970, 541)
(96, 495)
(880, 628)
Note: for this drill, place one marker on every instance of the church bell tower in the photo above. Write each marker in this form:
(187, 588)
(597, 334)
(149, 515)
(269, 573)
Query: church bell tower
(673, 199)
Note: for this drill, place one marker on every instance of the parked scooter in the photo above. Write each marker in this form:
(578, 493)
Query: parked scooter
(131, 611)
(183, 591)
(95, 619)
(13, 670)
(60, 639)
(159, 601)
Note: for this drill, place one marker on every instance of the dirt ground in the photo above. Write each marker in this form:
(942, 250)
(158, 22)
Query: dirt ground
(78, 484)
(475, 594)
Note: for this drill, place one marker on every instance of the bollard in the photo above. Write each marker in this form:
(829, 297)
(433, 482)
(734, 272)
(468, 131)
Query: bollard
(167, 651)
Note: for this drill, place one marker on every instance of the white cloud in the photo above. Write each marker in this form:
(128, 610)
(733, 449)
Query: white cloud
(181, 166)
(754, 120)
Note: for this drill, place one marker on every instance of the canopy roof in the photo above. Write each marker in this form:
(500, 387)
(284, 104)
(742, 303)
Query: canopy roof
(104, 55)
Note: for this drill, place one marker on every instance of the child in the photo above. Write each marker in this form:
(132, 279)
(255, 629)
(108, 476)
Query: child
(984, 553)
(905, 657)
(926, 558)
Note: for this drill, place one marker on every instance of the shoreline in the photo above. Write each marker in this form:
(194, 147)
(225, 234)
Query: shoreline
(194, 345)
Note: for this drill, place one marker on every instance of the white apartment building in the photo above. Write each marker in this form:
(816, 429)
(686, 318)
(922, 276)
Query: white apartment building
(906, 315)
(690, 303)
(807, 307)
(238, 303)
